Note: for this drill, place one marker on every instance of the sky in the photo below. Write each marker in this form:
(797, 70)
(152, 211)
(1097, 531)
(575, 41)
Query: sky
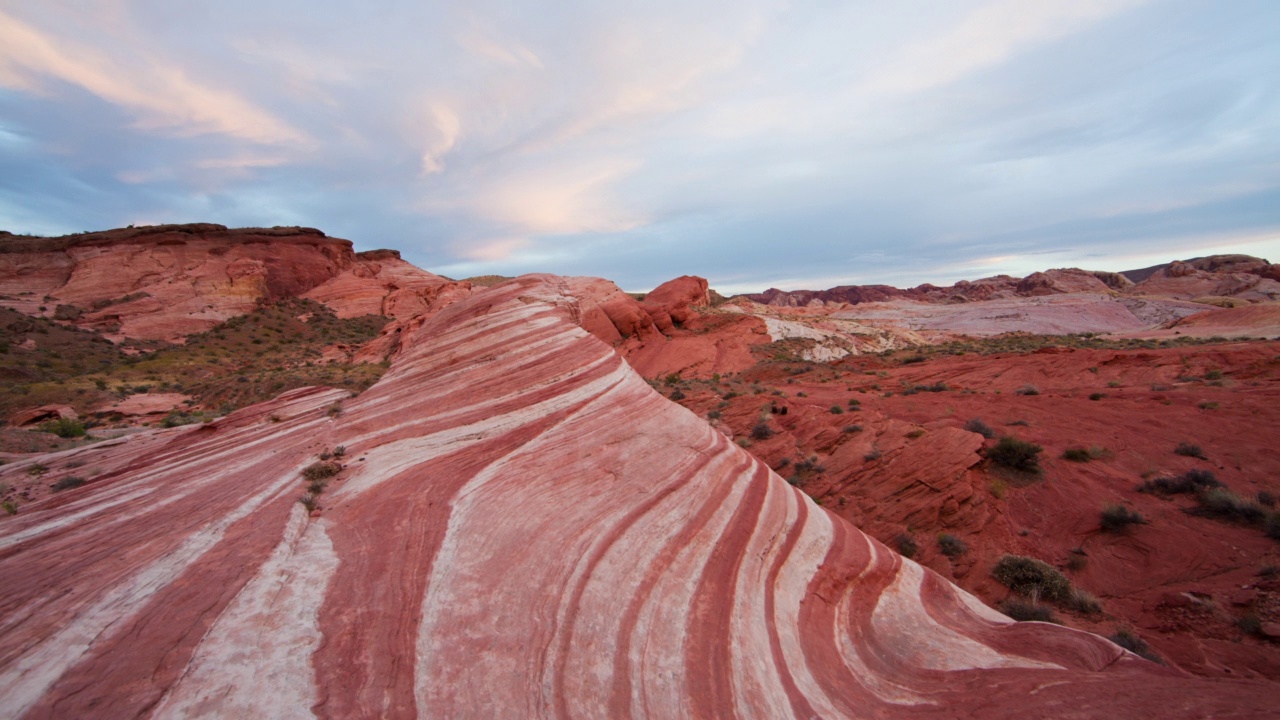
(755, 143)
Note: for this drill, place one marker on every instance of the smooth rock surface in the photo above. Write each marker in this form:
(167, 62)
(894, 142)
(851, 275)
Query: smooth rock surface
(521, 528)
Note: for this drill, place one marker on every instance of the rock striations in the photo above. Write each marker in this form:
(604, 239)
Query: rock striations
(521, 527)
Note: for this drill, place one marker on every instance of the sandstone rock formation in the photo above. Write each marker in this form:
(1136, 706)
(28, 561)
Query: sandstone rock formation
(168, 281)
(520, 527)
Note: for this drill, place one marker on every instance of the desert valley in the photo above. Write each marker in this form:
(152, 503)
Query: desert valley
(254, 473)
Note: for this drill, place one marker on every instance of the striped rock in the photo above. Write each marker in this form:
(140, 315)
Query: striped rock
(521, 528)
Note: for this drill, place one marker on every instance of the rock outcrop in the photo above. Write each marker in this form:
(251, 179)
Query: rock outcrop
(168, 281)
(519, 527)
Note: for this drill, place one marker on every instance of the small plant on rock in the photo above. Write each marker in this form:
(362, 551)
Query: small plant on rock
(977, 426)
(1118, 519)
(1189, 450)
(1015, 454)
(906, 545)
(1031, 577)
(951, 546)
(1026, 611)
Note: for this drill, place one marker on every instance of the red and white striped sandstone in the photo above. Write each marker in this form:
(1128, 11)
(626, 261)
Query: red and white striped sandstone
(522, 528)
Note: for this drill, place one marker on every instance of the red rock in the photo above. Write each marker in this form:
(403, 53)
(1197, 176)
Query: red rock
(1271, 630)
(33, 416)
(523, 528)
(167, 281)
(673, 302)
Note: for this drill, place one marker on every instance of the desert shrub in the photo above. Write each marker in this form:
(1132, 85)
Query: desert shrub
(1249, 624)
(1015, 454)
(10, 507)
(1117, 518)
(66, 483)
(1189, 450)
(852, 428)
(1097, 396)
(1221, 503)
(64, 427)
(913, 359)
(714, 415)
(310, 501)
(37, 469)
(1266, 498)
(1214, 374)
(1027, 390)
(334, 410)
(951, 546)
(676, 394)
(836, 410)
(1031, 577)
(1083, 602)
(762, 431)
(875, 454)
(1024, 611)
(1188, 482)
(1134, 644)
(1273, 526)
(1076, 455)
(906, 545)
(1207, 405)
(321, 470)
(977, 426)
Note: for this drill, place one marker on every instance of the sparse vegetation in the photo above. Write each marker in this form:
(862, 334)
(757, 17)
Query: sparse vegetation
(1033, 578)
(1027, 390)
(64, 427)
(1017, 455)
(1027, 611)
(762, 431)
(1097, 396)
(1189, 450)
(66, 483)
(977, 426)
(1188, 482)
(1118, 519)
(1134, 644)
(951, 546)
(836, 410)
(906, 545)
(1076, 454)
(321, 470)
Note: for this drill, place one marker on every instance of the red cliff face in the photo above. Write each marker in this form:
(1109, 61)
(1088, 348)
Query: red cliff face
(168, 281)
(519, 527)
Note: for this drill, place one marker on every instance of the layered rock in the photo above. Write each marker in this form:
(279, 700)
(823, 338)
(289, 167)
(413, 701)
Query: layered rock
(521, 528)
(168, 281)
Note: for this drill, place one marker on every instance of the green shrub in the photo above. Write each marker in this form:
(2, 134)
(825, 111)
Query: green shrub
(852, 428)
(762, 431)
(64, 427)
(1031, 577)
(1015, 454)
(1027, 390)
(836, 410)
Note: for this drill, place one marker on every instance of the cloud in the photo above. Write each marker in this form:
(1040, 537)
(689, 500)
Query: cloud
(158, 91)
(987, 35)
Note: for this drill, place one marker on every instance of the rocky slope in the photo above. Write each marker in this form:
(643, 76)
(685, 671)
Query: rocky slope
(165, 282)
(501, 539)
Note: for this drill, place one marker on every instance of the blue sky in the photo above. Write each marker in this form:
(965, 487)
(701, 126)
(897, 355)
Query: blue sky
(758, 144)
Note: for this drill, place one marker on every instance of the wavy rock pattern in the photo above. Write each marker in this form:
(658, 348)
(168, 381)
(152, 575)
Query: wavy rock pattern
(522, 528)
